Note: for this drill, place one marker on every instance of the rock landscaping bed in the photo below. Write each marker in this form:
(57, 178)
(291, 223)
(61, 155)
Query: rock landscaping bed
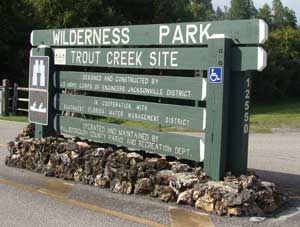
(138, 172)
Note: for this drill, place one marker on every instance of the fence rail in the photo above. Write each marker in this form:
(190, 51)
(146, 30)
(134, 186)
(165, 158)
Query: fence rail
(23, 99)
(23, 89)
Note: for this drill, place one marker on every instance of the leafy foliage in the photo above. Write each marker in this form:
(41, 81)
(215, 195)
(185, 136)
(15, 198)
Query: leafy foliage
(72, 13)
(222, 14)
(201, 10)
(278, 17)
(15, 30)
(281, 77)
(242, 9)
(283, 16)
(265, 13)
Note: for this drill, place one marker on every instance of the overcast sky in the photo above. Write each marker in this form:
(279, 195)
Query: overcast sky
(292, 4)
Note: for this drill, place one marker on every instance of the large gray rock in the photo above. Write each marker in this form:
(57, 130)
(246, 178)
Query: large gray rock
(232, 199)
(163, 177)
(143, 186)
(178, 167)
(186, 197)
(101, 181)
(206, 203)
(267, 201)
(164, 193)
(199, 190)
(182, 181)
(121, 187)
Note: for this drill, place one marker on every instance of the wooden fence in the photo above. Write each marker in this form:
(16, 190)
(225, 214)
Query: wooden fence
(13, 100)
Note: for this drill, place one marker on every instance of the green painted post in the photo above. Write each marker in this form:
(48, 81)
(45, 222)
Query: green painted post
(239, 122)
(5, 100)
(41, 130)
(217, 109)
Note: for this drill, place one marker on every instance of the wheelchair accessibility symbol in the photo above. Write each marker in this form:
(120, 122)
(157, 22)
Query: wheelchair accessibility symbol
(215, 75)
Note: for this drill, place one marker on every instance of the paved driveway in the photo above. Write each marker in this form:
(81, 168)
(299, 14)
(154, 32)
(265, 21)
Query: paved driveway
(30, 199)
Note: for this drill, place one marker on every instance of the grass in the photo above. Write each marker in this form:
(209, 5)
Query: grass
(264, 118)
(14, 118)
(282, 114)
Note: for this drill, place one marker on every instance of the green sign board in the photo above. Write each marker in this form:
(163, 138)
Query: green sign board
(143, 85)
(155, 113)
(186, 147)
(147, 73)
(243, 58)
(195, 33)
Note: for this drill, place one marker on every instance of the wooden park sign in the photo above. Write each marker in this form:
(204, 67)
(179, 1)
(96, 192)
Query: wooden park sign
(147, 73)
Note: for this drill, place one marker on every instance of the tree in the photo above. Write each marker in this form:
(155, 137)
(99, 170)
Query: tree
(166, 11)
(201, 10)
(283, 16)
(73, 13)
(15, 25)
(281, 77)
(279, 16)
(134, 11)
(242, 9)
(252, 10)
(220, 14)
(278, 13)
(265, 13)
(290, 17)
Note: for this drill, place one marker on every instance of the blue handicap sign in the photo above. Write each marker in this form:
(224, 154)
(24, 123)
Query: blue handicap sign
(215, 75)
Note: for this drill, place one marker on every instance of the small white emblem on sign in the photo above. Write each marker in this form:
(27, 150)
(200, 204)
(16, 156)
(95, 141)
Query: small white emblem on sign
(60, 56)
(40, 109)
(39, 74)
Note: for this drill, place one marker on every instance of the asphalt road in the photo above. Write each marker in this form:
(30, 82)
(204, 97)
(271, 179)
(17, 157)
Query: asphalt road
(21, 208)
(30, 199)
